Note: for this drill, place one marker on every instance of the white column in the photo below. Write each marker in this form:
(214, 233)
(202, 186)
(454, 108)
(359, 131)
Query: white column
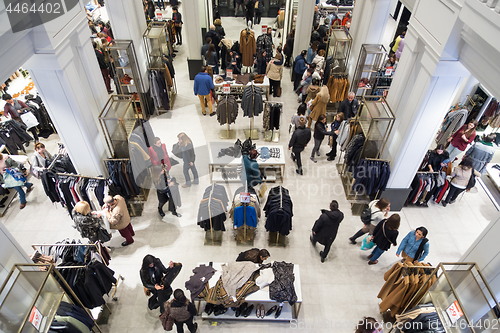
(192, 28)
(303, 25)
(129, 22)
(369, 20)
(71, 85)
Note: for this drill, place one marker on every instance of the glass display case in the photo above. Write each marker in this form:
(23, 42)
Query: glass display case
(371, 60)
(339, 48)
(118, 119)
(124, 60)
(30, 297)
(463, 299)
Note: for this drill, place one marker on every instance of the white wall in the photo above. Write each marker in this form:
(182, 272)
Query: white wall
(10, 253)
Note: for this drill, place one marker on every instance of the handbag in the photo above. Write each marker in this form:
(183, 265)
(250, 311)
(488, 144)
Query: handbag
(177, 150)
(263, 189)
(147, 292)
(278, 91)
(103, 235)
(166, 319)
(367, 244)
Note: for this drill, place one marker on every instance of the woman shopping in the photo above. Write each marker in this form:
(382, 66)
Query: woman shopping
(384, 235)
(212, 59)
(318, 105)
(461, 138)
(379, 210)
(40, 160)
(459, 180)
(339, 118)
(86, 223)
(319, 134)
(188, 157)
(274, 72)
(182, 311)
(13, 177)
(438, 158)
(414, 247)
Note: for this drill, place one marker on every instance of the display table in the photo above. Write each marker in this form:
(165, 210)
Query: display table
(494, 174)
(261, 296)
(237, 88)
(224, 168)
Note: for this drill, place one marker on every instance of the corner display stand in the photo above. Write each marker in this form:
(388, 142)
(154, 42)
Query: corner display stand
(125, 60)
(375, 120)
(261, 296)
(371, 59)
(339, 48)
(462, 297)
(31, 297)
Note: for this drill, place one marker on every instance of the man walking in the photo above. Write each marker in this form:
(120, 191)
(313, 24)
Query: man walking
(202, 85)
(117, 214)
(301, 136)
(325, 228)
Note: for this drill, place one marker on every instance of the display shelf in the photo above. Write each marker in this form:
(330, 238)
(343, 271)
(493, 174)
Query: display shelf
(286, 314)
(370, 60)
(339, 48)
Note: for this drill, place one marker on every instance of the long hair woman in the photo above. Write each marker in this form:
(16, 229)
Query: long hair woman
(461, 139)
(188, 157)
(385, 235)
(459, 180)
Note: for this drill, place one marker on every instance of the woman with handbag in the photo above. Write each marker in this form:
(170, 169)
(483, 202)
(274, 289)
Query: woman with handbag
(459, 141)
(40, 160)
(379, 210)
(177, 18)
(274, 72)
(87, 224)
(459, 180)
(385, 235)
(182, 311)
(438, 158)
(13, 177)
(188, 157)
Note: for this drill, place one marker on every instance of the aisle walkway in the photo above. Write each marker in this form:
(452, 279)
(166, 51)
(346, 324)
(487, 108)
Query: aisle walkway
(335, 294)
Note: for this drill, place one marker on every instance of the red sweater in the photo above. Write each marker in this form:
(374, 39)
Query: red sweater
(457, 140)
(154, 157)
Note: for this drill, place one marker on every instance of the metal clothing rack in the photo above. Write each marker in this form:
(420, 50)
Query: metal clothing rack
(230, 134)
(80, 176)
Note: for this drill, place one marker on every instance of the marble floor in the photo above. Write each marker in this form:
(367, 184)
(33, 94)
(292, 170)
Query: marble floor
(335, 294)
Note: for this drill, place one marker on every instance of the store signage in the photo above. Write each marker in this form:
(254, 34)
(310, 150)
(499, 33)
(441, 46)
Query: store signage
(159, 16)
(229, 73)
(226, 88)
(388, 71)
(454, 312)
(244, 197)
(36, 318)
(264, 29)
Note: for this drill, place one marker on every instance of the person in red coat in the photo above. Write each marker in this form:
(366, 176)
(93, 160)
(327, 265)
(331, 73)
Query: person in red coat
(461, 139)
(158, 152)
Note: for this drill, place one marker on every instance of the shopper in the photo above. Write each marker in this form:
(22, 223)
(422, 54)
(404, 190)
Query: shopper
(219, 29)
(13, 177)
(398, 40)
(212, 58)
(274, 72)
(324, 28)
(259, 9)
(481, 153)
(157, 280)
(13, 108)
(379, 210)
(299, 140)
(117, 214)
(319, 60)
(177, 19)
(182, 311)
(463, 137)
(40, 160)
(205, 46)
(459, 180)
(260, 62)
(103, 28)
(312, 91)
(158, 154)
(103, 66)
(304, 84)
(438, 158)
(167, 190)
(312, 51)
(151, 9)
(203, 83)
(299, 69)
(161, 4)
(254, 255)
(414, 247)
(87, 224)
(250, 174)
(318, 105)
(301, 110)
(339, 118)
(319, 134)
(188, 158)
(325, 228)
(384, 235)
(349, 106)
(237, 5)
(212, 34)
(250, 9)
(288, 49)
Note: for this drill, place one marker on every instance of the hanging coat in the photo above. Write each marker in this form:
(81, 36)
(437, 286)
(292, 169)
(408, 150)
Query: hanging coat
(248, 47)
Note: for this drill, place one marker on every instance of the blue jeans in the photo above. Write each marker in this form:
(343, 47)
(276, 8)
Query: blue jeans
(377, 252)
(185, 169)
(161, 4)
(22, 195)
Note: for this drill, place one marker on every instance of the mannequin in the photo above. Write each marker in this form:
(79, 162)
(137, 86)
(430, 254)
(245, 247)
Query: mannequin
(248, 46)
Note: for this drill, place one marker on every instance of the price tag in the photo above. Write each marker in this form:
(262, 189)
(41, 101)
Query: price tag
(244, 197)
(36, 318)
(454, 312)
(159, 16)
(229, 73)
(264, 29)
(388, 71)
(226, 88)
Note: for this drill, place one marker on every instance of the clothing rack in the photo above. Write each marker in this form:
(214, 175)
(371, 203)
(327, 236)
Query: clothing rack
(80, 176)
(252, 133)
(230, 134)
(274, 138)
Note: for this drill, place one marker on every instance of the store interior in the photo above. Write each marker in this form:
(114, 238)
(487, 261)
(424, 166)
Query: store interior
(333, 295)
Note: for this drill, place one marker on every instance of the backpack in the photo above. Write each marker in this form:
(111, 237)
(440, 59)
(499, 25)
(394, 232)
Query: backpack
(366, 216)
(420, 249)
(472, 180)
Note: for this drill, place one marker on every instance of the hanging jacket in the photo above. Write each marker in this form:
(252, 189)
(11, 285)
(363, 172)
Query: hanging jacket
(248, 47)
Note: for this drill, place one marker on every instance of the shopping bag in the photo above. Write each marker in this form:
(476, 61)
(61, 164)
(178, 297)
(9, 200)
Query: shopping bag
(263, 190)
(177, 150)
(29, 119)
(367, 245)
(103, 235)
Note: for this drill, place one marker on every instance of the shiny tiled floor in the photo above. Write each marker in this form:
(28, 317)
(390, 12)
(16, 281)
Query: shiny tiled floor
(335, 294)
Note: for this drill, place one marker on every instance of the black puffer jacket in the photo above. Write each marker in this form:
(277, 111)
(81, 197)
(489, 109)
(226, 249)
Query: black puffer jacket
(300, 138)
(328, 224)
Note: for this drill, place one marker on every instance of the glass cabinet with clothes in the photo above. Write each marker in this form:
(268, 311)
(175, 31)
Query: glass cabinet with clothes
(339, 48)
(372, 58)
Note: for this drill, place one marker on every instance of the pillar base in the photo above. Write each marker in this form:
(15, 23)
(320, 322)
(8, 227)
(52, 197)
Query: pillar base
(194, 66)
(397, 197)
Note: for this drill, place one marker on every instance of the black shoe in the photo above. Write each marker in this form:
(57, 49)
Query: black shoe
(353, 242)
(321, 253)
(176, 214)
(241, 309)
(278, 312)
(271, 310)
(209, 308)
(331, 158)
(444, 203)
(299, 172)
(160, 211)
(248, 311)
(220, 309)
(451, 202)
(195, 328)
(126, 244)
(110, 91)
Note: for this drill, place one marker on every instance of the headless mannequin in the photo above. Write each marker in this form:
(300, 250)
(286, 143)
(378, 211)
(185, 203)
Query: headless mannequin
(247, 69)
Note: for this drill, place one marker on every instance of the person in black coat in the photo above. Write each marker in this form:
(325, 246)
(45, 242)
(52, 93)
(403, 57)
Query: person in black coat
(325, 228)
(438, 158)
(177, 18)
(319, 134)
(384, 235)
(157, 279)
(349, 106)
(288, 49)
(298, 142)
(261, 63)
(250, 7)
